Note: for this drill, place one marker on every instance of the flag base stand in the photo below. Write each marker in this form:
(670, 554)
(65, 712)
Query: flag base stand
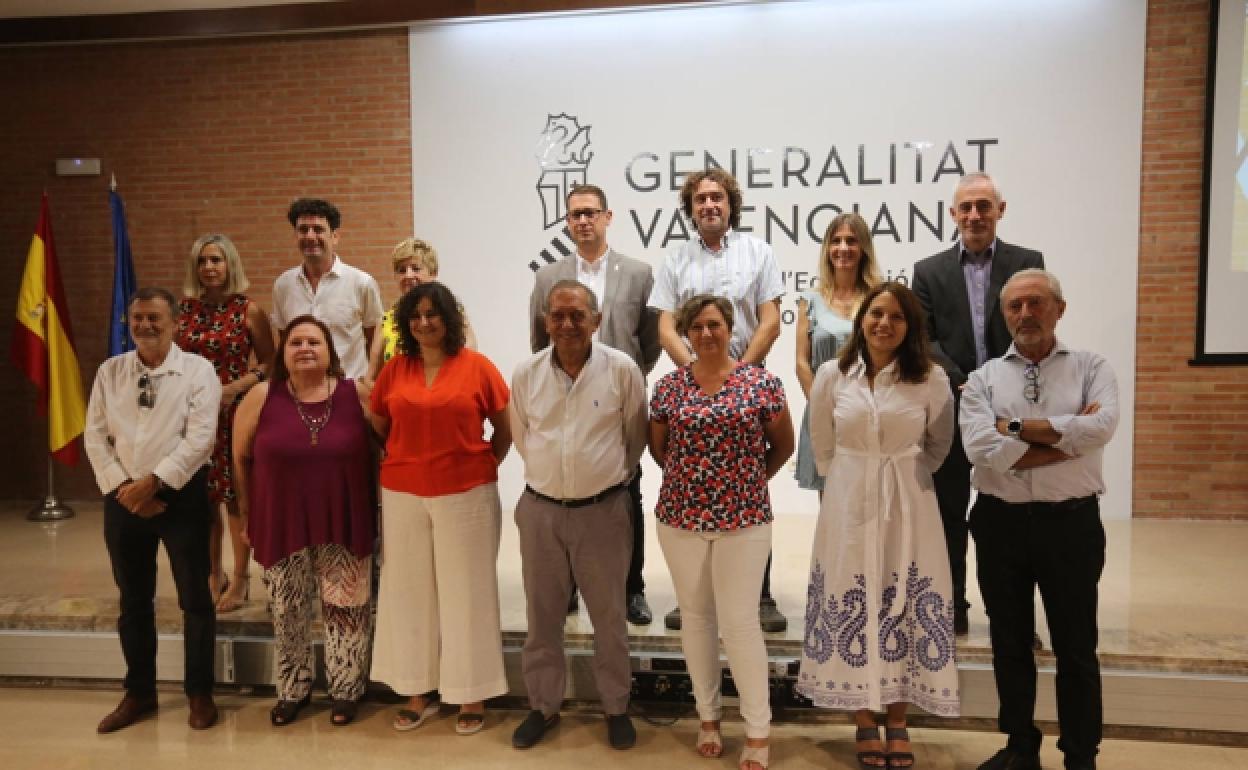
(51, 509)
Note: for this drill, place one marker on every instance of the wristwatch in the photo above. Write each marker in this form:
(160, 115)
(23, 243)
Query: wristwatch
(1015, 427)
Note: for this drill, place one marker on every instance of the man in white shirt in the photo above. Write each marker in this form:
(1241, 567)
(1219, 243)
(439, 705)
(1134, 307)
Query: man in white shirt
(728, 263)
(1035, 423)
(578, 418)
(151, 423)
(345, 298)
(628, 324)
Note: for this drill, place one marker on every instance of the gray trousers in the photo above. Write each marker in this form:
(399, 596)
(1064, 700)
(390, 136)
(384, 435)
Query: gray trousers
(592, 544)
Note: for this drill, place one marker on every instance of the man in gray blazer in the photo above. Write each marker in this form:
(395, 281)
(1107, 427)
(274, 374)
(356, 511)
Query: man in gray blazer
(622, 286)
(959, 289)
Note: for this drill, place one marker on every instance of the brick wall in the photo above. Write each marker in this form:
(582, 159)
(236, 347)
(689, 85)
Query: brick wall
(220, 135)
(1191, 423)
(210, 136)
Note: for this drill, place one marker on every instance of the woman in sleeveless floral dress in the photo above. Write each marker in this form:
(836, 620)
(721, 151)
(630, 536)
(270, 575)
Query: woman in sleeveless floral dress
(217, 321)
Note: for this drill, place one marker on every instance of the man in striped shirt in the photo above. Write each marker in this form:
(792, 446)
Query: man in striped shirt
(728, 263)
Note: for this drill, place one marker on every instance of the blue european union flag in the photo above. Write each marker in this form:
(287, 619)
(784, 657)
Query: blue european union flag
(124, 283)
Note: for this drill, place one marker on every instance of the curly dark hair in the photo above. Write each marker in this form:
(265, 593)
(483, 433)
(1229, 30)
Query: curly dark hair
(725, 180)
(281, 373)
(444, 304)
(314, 207)
(913, 360)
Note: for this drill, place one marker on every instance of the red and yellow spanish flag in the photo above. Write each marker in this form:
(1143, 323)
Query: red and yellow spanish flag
(43, 344)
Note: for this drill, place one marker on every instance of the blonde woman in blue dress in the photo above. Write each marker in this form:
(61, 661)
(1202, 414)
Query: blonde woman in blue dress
(825, 319)
(879, 605)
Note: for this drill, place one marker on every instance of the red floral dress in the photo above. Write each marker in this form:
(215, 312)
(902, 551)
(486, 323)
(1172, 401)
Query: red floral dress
(714, 474)
(218, 332)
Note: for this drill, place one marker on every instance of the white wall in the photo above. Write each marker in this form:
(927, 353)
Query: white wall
(1047, 95)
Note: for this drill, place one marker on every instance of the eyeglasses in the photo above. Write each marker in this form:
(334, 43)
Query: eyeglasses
(147, 396)
(590, 214)
(1031, 384)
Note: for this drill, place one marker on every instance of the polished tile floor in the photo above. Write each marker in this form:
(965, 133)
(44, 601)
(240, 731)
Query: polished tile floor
(55, 729)
(1171, 595)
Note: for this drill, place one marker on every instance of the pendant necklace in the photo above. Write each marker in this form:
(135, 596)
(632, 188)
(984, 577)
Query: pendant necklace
(314, 424)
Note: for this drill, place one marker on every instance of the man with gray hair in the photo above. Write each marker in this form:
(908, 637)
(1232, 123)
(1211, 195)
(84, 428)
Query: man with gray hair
(151, 423)
(958, 288)
(627, 324)
(1035, 423)
(578, 419)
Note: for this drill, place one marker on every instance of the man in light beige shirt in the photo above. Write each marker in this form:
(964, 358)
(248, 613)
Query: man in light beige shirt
(578, 418)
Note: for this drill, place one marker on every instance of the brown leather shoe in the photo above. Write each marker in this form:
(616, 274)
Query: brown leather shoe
(129, 711)
(203, 712)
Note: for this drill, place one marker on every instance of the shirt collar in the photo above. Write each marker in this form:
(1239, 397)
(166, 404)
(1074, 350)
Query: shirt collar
(174, 363)
(333, 270)
(729, 236)
(1059, 347)
(596, 266)
(554, 361)
(966, 255)
(858, 369)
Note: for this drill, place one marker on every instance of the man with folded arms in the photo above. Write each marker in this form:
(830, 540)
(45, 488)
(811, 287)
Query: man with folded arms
(151, 423)
(1035, 423)
(959, 289)
(578, 419)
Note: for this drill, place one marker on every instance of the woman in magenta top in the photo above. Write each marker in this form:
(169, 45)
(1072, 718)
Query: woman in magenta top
(437, 609)
(719, 429)
(305, 476)
(217, 321)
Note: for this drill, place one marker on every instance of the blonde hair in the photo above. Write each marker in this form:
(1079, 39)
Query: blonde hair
(414, 248)
(868, 269)
(235, 280)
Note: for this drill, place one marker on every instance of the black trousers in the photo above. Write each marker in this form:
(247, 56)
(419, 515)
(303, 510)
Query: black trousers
(952, 482)
(132, 542)
(1059, 547)
(636, 584)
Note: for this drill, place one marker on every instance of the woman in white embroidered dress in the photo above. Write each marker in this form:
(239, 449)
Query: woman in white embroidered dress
(879, 612)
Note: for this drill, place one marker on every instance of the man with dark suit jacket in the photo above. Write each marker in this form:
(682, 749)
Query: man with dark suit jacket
(623, 286)
(959, 289)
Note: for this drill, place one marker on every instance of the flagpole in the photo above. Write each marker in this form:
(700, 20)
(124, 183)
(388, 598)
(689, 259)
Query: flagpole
(51, 509)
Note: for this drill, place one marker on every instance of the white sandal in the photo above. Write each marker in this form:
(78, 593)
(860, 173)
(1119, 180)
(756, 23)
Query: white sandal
(712, 737)
(758, 754)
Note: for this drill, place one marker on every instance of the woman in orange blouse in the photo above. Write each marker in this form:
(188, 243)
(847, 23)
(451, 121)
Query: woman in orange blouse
(441, 518)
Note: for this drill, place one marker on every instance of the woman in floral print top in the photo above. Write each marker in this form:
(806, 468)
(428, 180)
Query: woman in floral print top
(719, 429)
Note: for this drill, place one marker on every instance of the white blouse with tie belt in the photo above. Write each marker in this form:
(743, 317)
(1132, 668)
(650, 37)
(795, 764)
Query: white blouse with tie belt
(879, 618)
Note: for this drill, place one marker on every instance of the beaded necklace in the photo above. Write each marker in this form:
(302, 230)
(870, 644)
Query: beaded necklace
(316, 423)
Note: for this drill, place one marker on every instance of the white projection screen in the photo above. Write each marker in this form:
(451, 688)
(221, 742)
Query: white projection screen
(1222, 320)
(818, 107)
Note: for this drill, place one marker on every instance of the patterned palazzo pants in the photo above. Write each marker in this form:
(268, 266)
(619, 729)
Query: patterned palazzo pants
(342, 580)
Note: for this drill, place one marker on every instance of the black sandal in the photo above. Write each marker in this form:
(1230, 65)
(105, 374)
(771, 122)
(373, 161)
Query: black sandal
(898, 759)
(342, 712)
(286, 711)
(870, 734)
